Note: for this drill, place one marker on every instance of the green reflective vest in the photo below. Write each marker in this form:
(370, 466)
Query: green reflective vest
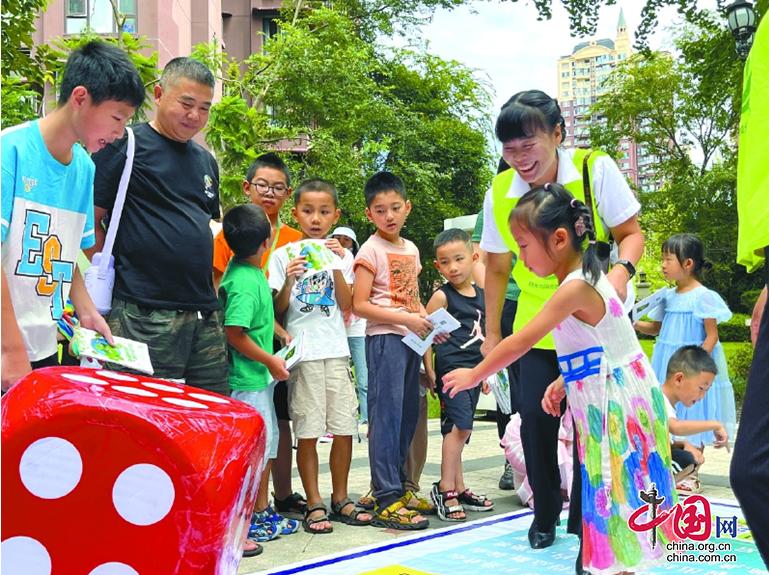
(535, 291)
(752, 167)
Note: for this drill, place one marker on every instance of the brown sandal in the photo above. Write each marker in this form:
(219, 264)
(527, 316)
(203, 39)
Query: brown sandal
(308, 521)
(350, 518)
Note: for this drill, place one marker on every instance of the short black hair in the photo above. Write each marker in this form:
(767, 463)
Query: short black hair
(269, 160)
(526, 113)
(245, 228)
(691, 360)
(189, 68)
(688, 246)
(453, 235)
(105, 71)
(316, 185)
(381, 183)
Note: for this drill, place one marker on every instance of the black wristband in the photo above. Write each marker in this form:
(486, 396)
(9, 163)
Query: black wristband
(628, 266)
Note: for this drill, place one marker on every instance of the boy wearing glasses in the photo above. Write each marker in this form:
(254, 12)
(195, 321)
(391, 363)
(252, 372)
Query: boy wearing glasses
(268, 184)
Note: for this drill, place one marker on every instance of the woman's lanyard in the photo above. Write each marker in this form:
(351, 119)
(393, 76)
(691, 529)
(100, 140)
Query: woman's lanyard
(274, 243)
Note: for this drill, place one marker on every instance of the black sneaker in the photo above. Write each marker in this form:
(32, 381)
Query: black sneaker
(506, 481)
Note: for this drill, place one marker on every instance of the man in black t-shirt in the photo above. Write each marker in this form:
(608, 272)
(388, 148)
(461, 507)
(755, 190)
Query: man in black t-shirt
(164, 294)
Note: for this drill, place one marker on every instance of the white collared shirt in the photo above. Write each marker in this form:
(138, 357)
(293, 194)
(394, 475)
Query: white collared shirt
(615, 201)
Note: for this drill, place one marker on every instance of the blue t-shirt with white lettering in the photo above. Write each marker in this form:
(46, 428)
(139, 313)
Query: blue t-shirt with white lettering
(47, 218)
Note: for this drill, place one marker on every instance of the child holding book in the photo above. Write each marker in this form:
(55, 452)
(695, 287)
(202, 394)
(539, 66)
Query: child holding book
(248, 324)
(321, 394)
(454, 259)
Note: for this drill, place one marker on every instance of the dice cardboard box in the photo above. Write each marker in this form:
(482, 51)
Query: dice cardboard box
(106, 473)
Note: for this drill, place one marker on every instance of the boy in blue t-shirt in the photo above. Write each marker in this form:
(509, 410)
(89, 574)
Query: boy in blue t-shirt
(454, 258)
(47, 204)
(245, 296)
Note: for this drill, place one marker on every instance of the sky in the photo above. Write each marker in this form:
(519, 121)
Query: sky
(506, 43)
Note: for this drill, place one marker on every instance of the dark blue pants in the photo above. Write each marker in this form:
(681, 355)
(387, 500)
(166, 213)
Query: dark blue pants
(393, 412)
(749, 473)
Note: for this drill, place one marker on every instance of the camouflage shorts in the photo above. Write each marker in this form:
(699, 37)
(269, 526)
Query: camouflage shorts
(187, 345)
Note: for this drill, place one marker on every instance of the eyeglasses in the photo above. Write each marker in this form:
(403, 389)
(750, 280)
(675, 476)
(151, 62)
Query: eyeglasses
(263, 188)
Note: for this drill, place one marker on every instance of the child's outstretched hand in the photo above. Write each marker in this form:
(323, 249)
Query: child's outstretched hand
(334, 245)
(277, 368)
(554, 394)
(295, 267)
(459, 380)
(722, 439)
(485, 387)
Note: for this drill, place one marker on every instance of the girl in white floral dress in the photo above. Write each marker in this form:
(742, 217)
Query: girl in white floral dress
(618, 408)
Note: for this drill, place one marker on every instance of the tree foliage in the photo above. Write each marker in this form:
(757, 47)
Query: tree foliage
(356, 107)
(684, 111)
(18, 25)
(22, 100)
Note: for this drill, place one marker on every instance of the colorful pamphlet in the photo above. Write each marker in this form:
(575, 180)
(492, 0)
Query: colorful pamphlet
(293, 353)
(319, 257)
(127, 352)
(500, 387)
(443, 322)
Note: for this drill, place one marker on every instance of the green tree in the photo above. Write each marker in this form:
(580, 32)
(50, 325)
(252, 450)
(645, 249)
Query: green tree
(684, 111)
(356, 107)
(22, 100)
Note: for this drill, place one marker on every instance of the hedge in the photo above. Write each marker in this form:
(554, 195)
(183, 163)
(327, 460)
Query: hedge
(732, 330)
(735, 329)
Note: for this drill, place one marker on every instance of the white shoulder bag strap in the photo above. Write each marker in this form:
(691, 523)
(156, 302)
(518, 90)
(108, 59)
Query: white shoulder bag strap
(117, 209)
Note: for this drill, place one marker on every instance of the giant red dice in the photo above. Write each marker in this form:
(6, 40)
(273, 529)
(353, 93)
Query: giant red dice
(109, 474)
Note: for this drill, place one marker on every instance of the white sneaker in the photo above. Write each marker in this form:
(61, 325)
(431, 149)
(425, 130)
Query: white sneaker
(328, 438)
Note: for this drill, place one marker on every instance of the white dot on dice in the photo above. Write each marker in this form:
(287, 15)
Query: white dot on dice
(24, 556)
(161, 387)
(211, 398)
(185, 402)
(143, 494)
(51, 467)
(134, 391)
(114, 569)
(83, 378)
(118, 376)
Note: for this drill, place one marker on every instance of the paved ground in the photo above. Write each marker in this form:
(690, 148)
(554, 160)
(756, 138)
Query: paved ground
(484, 460)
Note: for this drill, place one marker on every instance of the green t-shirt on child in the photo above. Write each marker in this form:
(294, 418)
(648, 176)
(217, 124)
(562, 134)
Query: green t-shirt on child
(245, 296)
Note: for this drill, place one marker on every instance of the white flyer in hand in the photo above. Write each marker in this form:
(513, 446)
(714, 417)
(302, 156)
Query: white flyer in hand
(127, 352)
(319, 257)
(500, 387)
(443, 322)
(642, 307)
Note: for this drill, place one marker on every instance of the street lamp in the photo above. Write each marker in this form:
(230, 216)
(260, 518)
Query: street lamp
(742, 24)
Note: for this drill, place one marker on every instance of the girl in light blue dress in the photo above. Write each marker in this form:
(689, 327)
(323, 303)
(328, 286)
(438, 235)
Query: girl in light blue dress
(690, 315)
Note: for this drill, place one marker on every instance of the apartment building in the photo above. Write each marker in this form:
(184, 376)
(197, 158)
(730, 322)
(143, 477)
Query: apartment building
(582, 77)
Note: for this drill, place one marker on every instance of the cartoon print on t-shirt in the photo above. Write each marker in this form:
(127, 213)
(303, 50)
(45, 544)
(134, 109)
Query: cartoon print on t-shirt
(403, 281)
(477, 333)
(316, 290)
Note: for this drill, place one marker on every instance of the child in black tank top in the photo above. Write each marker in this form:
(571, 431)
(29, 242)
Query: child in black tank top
(465, 302)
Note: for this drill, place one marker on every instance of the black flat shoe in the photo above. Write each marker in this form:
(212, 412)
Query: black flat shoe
(578, 568)
(539, 539)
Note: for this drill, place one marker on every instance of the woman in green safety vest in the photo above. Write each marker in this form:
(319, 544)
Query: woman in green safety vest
(531, 128)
